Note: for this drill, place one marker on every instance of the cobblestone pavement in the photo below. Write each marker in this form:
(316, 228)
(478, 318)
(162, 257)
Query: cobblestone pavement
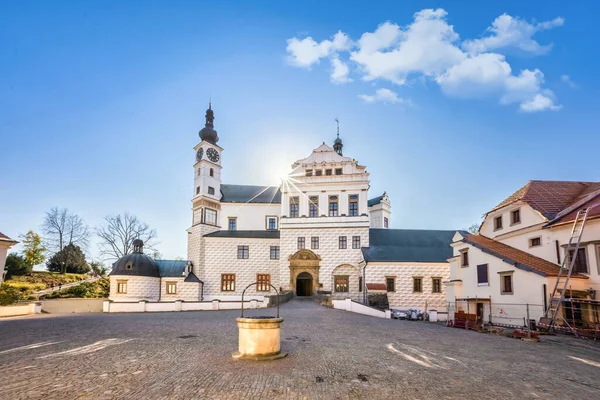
(332, 355)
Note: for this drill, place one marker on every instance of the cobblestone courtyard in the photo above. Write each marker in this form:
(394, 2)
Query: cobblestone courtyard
(332, 354)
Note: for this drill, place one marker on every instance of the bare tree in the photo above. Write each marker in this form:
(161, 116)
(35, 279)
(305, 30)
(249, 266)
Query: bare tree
(119, 232)
(62, 227)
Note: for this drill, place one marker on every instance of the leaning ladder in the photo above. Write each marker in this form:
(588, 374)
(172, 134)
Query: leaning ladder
(566, 268)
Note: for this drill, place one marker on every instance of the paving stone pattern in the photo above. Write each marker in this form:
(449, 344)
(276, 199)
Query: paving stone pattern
(333, 354)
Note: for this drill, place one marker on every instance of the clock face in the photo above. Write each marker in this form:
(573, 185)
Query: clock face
(212, 155)
(199, 154)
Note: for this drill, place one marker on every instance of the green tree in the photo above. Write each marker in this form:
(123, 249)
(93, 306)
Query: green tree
(70, 259)
(16, 265)
(98, 268)
(33, 250)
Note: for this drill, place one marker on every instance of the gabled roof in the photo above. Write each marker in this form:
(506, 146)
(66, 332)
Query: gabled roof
(408, 245)
(250, 194)
(192, 278)
(588, 198)
(6, 239)
(375, 200)
(518, 258)
(549, 198)
(245, 234)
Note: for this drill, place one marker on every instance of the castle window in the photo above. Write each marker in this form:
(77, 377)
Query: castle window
(314, 242)
(333, 206)
(301, 243)
(515, 217)
(386, 222)
(341, 283)
(211, 190)
(243, 252)
(318, 172)
(228, 282)
(390, 284)
(309, 172)
(356, 242)
(343, 242)
(212, 172)
(274, 253)
(328, 172)
(199, 171)
(353, 205)
(436, 285)
(198, 190)
(535, 242)
(122, 287)
(338, 171)
(271, 223)
(313, 206)
(498, 223)
(294, 207)
(263, 282)
(232, 224)
(210, 216)
(171, 287)
(417, 285)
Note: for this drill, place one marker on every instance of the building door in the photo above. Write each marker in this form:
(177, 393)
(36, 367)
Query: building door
(479, 312)
(304, 284)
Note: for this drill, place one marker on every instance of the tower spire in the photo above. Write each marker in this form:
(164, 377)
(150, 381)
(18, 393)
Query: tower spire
(208, 133)
(337, 143)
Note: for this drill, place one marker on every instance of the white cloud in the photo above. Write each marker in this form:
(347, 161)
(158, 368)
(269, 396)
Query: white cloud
(340, 71)
(540, 102)
(306, 52)
(429, 49)
(511, 32)
(384, 96)
(567, 79)
(424, 47)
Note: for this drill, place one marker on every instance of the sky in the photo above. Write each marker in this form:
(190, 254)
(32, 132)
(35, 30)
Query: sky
(452, 106)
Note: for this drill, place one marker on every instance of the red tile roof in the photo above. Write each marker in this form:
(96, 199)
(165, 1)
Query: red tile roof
(550, 197)
(376, 286)
(520, 259)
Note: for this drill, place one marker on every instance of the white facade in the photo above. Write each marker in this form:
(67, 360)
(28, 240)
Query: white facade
(5, 244)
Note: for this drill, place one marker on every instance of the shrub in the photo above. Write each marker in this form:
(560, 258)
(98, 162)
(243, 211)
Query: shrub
(16, 265)
(26, 286)
(90, 290)
(9, 295)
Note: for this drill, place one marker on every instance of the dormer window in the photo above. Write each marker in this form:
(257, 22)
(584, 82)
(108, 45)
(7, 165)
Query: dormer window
(498, 223)
(309, 172)
(515, 217)
(464, 258)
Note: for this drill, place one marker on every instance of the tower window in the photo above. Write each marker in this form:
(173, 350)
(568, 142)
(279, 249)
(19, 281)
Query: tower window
(328, 172)
(294, 208)
(211, 190)
(338, 171)
(210, 216)
(199, 171)
(197, 189)
(353, 205)
(318, 172)
(212, 172)
(313, 206)
(309, 172)
(386, 222)
(333, 206)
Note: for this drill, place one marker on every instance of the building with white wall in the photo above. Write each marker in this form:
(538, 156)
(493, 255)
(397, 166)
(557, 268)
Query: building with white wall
(319, 231)
(5, 244)
(515, 257)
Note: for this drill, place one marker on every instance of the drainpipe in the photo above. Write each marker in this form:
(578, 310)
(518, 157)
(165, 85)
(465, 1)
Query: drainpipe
(159, 287)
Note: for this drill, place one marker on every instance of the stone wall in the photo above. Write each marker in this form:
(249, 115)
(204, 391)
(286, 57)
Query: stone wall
(138, 288)
(331, 255)
(221, 258)
(353, 273)
(187, 291)
(404, 297)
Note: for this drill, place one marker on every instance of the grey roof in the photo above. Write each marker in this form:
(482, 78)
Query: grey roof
(171, 268)
(375, 200)
(245, 234)
(250, 194)
(408, 245)
(192, 278)
(136, 264)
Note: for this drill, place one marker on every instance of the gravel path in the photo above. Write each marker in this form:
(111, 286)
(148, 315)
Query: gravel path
(332, 355)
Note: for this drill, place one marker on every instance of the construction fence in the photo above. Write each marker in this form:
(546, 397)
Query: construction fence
(483, 311)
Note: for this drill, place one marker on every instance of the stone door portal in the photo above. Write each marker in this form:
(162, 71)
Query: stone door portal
(304, 284)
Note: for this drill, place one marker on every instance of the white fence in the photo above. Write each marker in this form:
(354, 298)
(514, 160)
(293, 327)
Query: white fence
(21, 309)
(352, 306)
(144, 306)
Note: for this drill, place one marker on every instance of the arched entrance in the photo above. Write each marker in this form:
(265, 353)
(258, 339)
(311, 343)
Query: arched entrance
(304, 284)
(304, 272)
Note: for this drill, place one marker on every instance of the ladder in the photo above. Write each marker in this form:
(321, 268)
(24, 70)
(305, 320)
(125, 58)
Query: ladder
(566, 268)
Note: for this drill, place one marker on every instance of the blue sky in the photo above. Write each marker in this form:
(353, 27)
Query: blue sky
(102, 102)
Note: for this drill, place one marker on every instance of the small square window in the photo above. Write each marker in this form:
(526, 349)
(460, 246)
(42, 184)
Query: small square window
(535, 242)
(301, 243)
(390, 284)
(417, 285)
(328, 172)
(211, 190)
(122, 287)
(243, 252)
(343, 242)
(341, 283)
(171, 287)
(498, 223)
(515, 217)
